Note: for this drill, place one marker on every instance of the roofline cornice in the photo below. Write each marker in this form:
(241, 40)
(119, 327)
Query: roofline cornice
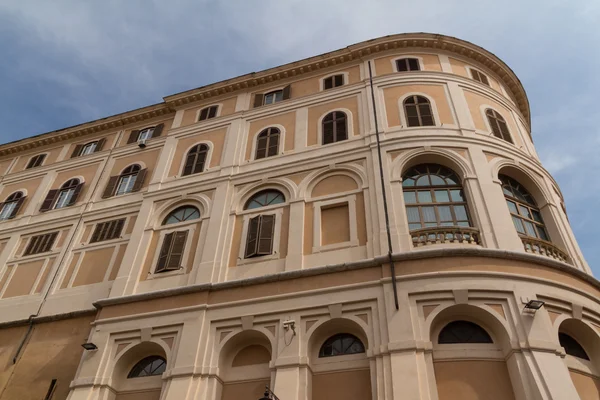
(360, 51)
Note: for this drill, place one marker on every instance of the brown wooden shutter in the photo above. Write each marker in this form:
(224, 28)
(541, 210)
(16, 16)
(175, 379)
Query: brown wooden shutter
(258, 99)
(287, 92)
(75, 194)
(176, 253)
(109, 191)
(133, 136)
(100, 145)
(328, 83)
(265, 235)
(49, 200)
(261, 146)
(203, 114)
(76, 151)
(273, 148)
(158, 130)
(163, 256)
(252, 237)
(139, 180)
(15, 210)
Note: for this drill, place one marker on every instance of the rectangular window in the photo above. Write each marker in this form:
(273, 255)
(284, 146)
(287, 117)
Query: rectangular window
(171, 252)
(108, 230)
(35, 161)
(126, 184)
(207, 113)
(259, 240)
(407, 64)
(40, 243)
(333, 81)
(273, 97)
(88, 149)
(64, 198)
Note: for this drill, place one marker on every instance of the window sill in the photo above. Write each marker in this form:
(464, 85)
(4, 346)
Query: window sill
(158, 275)
(335, 246)
(258, 259)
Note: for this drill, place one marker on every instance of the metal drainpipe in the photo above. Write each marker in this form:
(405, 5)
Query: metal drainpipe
(67, 246)
(385, 205)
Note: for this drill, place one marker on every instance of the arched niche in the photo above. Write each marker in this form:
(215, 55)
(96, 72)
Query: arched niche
(339, 377)
(244, 365)
(146, 387)
(471, 369)
(582, 347)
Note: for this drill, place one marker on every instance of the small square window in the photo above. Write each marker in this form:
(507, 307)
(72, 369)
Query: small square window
(333, 81)
(207, 113)
(273, 97)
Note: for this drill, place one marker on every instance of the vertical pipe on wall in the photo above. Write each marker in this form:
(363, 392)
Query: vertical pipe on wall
(383, 193)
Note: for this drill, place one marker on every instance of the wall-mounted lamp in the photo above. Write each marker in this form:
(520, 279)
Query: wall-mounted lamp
(89, 346)
(534, 305)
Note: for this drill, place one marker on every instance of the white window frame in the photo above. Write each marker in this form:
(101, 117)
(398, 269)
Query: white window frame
(318, 205)
(350, 126)
(271, 92)
(85, 150)
(322, 80)
(130, 183)
(489, 132)
(277, 211)
(206, 162)
(147, 132)
(281, 142)
(7, 209)
(63, 201)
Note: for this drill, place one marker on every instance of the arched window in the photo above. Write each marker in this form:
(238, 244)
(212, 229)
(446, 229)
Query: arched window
(35, 161)
(340, 345)
(433, 196)
(572, 346)
(67, 194)
(261, 228)
(171, 253)
(88, 148)
(479, 77)
(127, 179)
(525, 214)
(418, 111)
(463, 332)
(265, 198)
(267, 143)
(145, 133)
(184, 213)
(149, 366)
(407, 64)
(195, 160)
(208, 113)
(498, 125)
(335, 127)
(10, 207)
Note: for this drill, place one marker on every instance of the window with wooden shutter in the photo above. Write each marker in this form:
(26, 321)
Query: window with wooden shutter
(35, 161)
(171, 253)
(333, 81)
(259, 239)
(49, 200)
(287, 92)
(111, 186)
(108, 230)
(133, 136)
(67, 194)
(195, 160)
(208, 113)
(158, 130)
(258, 99)
(480, 77)
(267, 143)
(498, 125)
(418, 111)
(40, 243)
(130, 180)
(335, 127)
(407, 64)
(10, 207)
(76, 151)
(274, 97)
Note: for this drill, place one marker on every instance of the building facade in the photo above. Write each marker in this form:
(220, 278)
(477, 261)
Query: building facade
(234, 236)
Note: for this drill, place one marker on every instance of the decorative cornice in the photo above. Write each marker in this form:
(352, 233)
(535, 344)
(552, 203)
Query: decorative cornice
(359, 51)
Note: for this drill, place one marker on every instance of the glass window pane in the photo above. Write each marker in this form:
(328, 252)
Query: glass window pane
(518, 224)
(431, 224)
(512, 207)
(411, 111)
(410, 198)
(408, 182)
(457, 195)
(436, 180)
(463, 223)
(413, 214)
(530, 229)
(423, 181)
(537, 216)
(542, 233)
(445, 214)
(414, 226)
(425, 196)
(441, 196)
(461, 213)
(524, 211)
(507, 191)
(429, 214)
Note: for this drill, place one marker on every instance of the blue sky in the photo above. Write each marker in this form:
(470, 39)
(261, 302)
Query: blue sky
(67, 62)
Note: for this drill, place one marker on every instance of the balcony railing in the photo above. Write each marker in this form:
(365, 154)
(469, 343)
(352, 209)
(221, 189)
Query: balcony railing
(543, 248)
(445, 234)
